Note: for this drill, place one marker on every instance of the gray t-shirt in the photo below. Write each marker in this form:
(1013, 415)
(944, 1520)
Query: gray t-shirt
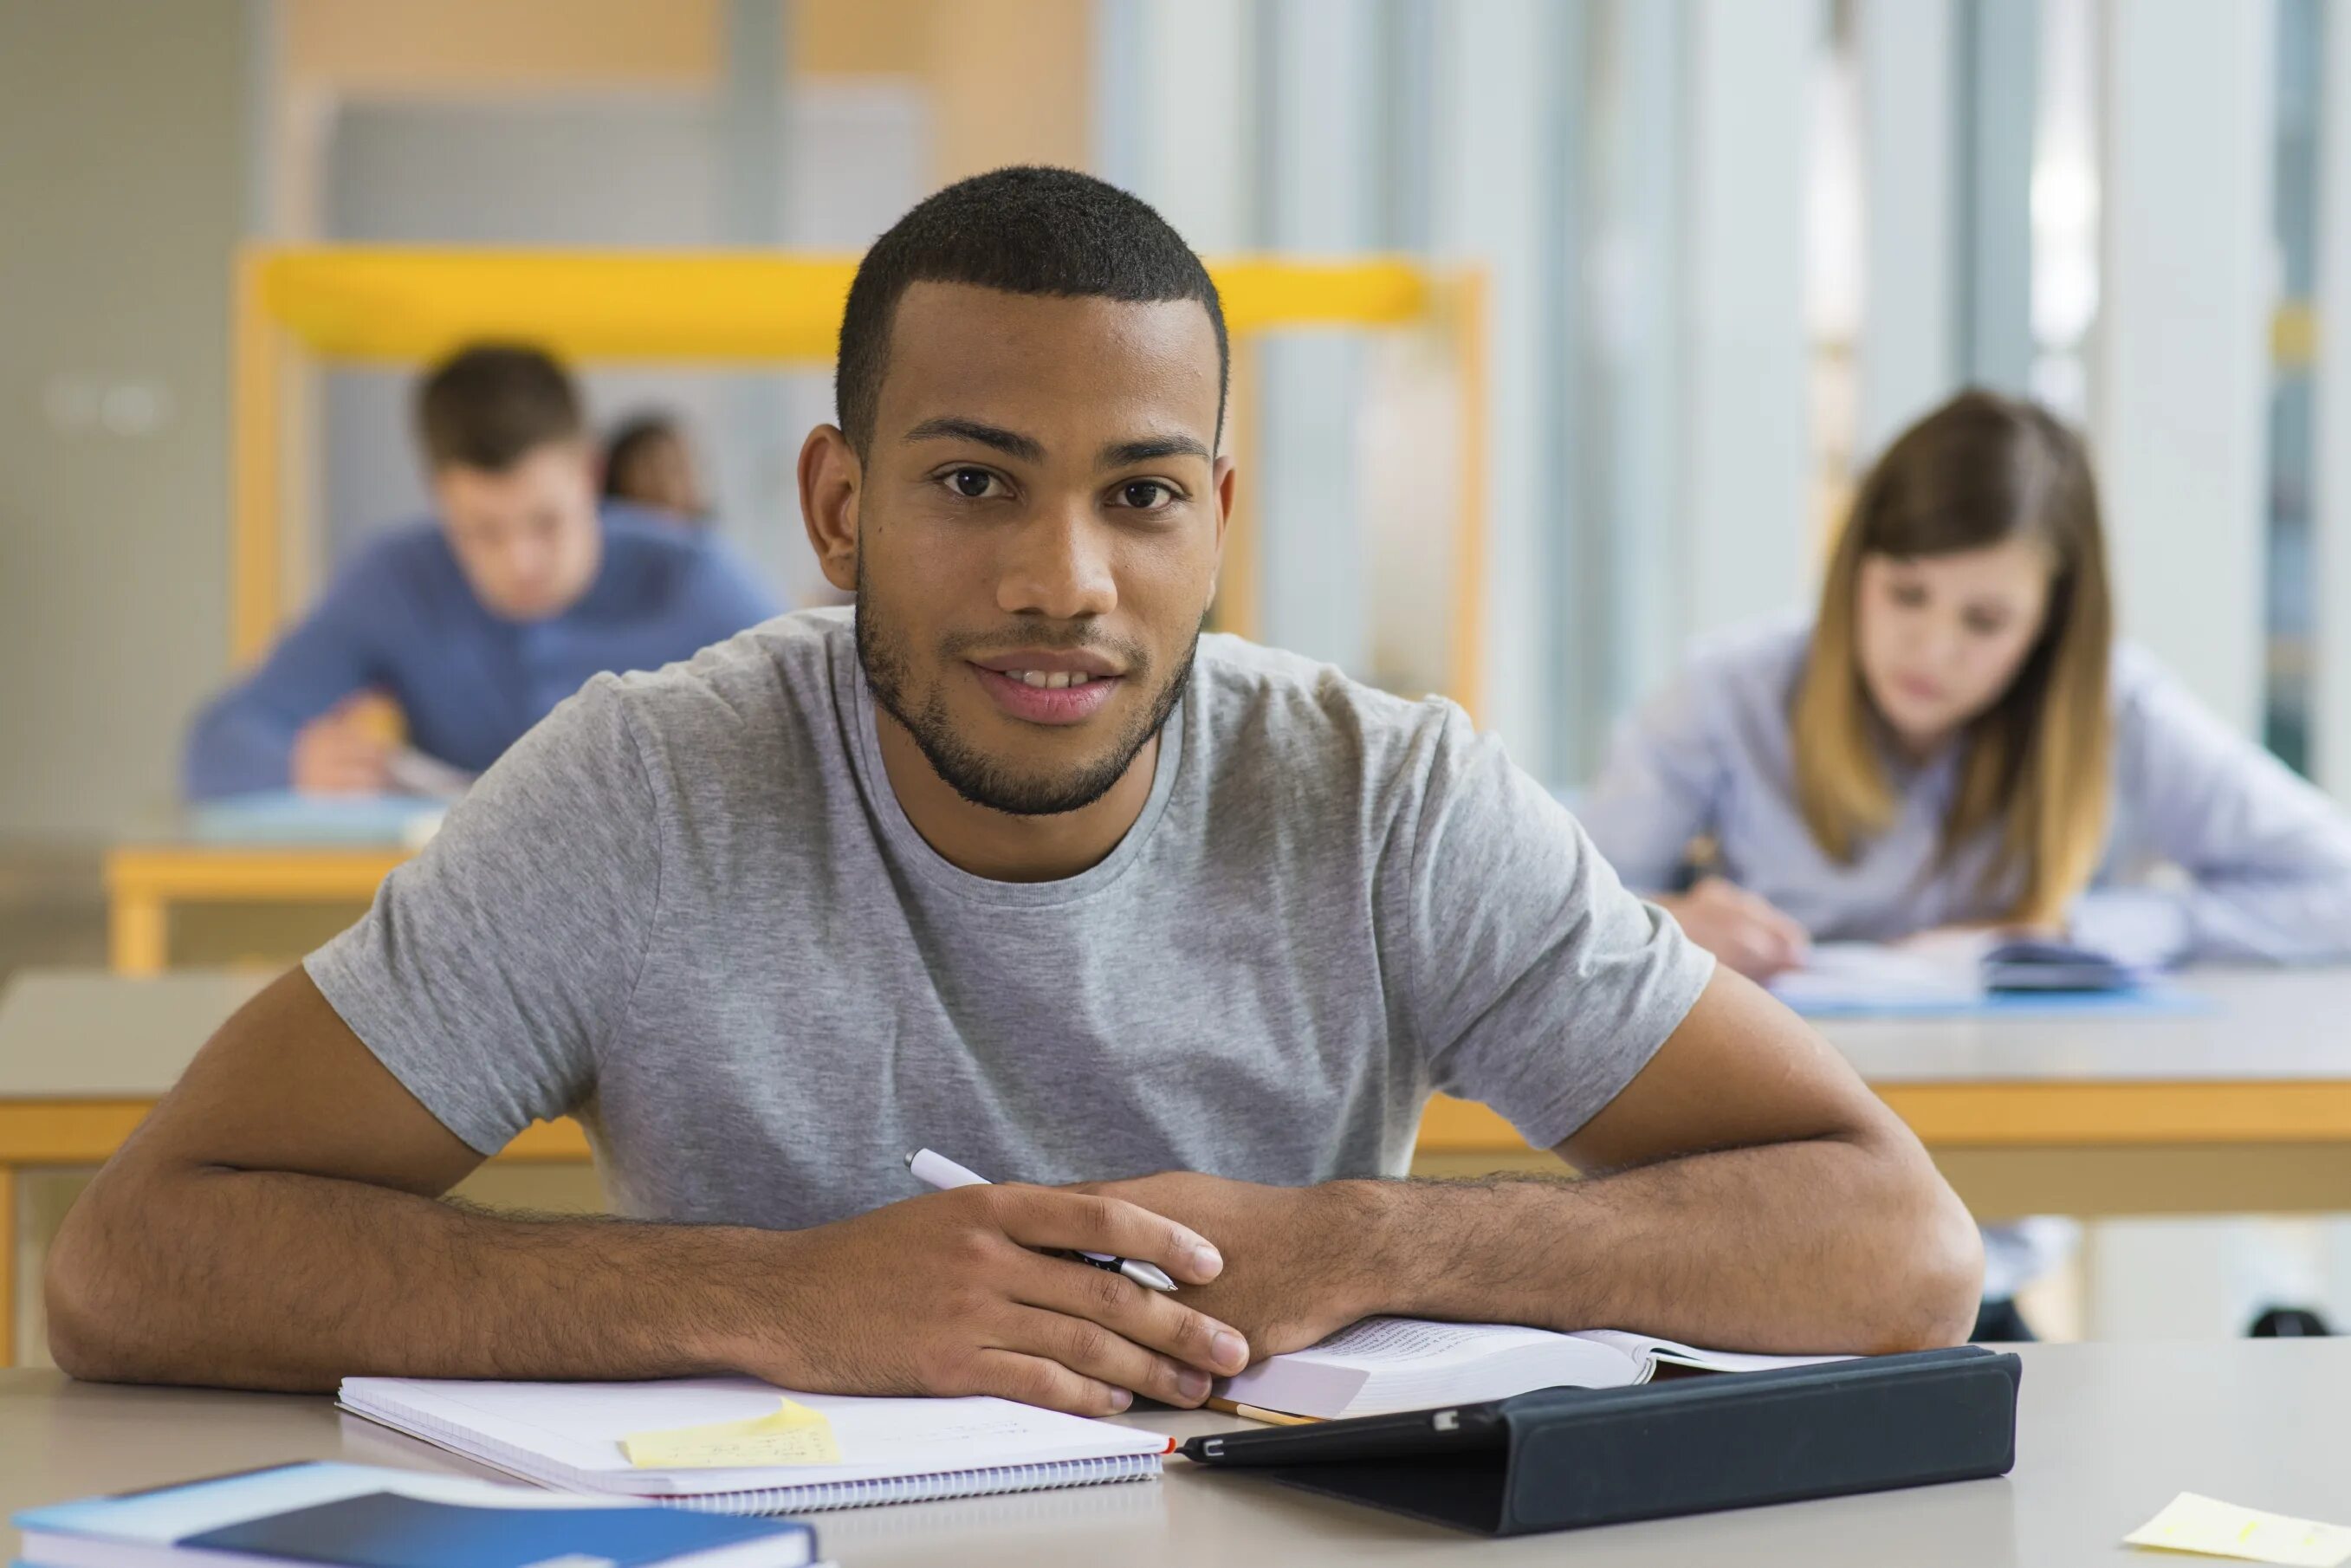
(688, 908)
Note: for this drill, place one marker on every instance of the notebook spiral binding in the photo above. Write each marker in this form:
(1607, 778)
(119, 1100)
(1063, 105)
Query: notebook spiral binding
(944, 1484)
(813, 1498)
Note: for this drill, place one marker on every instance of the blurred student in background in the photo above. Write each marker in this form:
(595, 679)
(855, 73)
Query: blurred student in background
(1956, 742)
(648, 464)
(478, 621)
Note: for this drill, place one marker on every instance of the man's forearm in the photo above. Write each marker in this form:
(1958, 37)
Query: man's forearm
(1823, 1246)
(267, 1280)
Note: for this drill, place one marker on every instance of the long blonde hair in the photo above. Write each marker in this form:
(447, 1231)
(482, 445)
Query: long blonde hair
(1977, 472)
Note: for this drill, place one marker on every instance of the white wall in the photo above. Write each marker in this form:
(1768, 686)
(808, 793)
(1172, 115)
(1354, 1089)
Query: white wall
(122, 182)
(631, 170)
(2182, 372)
(1908, 348)
(1748, 430)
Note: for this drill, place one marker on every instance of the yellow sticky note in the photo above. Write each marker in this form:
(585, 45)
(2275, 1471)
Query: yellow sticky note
(2216, 1529)
(794, 1435)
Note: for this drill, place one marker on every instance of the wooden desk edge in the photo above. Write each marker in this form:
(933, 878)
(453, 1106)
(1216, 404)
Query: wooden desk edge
(75, 1132)
(2028, 1115)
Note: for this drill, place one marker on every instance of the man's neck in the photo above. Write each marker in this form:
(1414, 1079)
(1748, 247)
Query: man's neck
(997, 845)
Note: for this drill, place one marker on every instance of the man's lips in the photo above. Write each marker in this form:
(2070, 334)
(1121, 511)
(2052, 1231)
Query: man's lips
(1072, 703)
(1051, 662)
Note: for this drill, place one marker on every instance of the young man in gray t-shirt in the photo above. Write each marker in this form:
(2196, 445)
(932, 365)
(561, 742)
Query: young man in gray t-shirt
(1015, 863)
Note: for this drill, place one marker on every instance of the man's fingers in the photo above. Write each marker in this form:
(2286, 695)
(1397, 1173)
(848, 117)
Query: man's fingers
(1147, 1319)
(1104, 1354)
(1055, 1220)
(1035, 1380)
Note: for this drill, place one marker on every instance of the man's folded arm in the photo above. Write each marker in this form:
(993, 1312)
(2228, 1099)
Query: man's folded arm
(274, 1224)
(1745, 1191)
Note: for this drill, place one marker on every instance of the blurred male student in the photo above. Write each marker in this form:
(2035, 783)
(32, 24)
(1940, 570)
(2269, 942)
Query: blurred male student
(477, 620)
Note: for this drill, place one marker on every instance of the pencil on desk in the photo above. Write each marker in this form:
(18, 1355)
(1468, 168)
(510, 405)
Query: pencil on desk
(1270, 1418)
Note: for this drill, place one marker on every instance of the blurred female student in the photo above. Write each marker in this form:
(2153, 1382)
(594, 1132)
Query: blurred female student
(648, 464)
(1956, 741)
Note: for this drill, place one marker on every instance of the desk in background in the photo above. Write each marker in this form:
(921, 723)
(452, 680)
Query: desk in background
(276, 848)
(85, 1055)
(2107, 1435)
(2243, 1110)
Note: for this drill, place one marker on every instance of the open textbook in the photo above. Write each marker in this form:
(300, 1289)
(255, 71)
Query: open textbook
(1952, 973)
(1385, 1364)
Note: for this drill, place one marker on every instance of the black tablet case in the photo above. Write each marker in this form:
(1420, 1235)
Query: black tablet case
(1577, 1456)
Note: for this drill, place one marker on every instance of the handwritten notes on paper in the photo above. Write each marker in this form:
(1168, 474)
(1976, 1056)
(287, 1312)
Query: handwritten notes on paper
(794, 1435)
(2216, 1529)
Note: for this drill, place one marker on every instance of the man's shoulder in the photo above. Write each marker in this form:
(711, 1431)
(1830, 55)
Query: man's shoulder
(756, 682)
(1270, 706)
(646, 548)
(411, 543)
(635, 530)
(1765, 653)
(407, 562)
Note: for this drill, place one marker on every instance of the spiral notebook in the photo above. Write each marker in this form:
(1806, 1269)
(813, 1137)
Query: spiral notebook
(569, 1436)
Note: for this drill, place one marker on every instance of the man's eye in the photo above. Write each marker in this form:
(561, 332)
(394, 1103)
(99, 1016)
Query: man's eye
(1144, 494)
(971, 484)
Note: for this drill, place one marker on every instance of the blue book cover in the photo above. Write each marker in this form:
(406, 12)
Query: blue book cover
(358, 1516)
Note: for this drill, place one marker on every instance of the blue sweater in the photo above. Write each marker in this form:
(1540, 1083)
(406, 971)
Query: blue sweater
(401, 618)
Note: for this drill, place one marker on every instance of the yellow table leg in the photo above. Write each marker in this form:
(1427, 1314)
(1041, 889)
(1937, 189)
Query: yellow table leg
(139, 934)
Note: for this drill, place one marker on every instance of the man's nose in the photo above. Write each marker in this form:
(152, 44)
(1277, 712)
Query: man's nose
(1058, 564)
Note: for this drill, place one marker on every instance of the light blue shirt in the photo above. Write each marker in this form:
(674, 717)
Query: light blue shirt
(2215, 849)
(401, 618)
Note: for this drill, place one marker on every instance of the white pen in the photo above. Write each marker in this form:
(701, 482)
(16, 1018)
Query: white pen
(938, 1171)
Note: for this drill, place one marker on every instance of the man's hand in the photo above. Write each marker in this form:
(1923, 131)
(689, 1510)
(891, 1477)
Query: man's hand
(1298, 1261)
(953, 1292)
(1746, 933)
(343, 752)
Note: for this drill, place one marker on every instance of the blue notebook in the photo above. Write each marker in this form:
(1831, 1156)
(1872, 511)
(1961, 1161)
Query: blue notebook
(359, 1516)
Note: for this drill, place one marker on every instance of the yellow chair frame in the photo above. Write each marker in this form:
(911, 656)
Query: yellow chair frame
(735, 309)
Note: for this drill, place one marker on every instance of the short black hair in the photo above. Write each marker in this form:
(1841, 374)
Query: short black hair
(488, 406)
(1023, 230)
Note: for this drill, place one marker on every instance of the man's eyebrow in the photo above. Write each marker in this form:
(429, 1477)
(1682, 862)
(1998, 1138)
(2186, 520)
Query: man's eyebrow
(1126, 452)
(1012, 443)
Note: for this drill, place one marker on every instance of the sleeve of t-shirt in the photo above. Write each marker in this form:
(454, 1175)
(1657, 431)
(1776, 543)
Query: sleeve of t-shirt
(1541, 986)
(493, 969)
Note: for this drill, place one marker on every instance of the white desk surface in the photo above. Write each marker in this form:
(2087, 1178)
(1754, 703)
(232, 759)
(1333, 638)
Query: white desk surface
(2261, 1024)
(91, 1034)
(2107, 1435)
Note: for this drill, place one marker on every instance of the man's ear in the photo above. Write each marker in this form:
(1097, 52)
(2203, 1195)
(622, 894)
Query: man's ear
(1222, 481)
(831, 477)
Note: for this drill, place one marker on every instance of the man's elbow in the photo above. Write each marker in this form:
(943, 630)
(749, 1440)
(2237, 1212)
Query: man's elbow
(1938, 1273)
(86, 1298)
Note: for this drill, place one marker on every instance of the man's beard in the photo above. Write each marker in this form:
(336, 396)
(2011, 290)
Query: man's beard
(978, 779)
